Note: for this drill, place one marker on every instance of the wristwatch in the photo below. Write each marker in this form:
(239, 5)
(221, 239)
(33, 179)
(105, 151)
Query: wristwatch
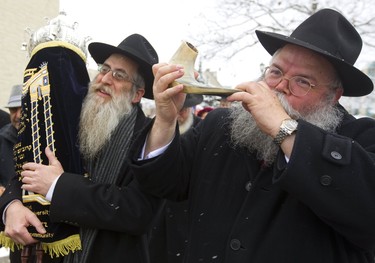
(287, 127)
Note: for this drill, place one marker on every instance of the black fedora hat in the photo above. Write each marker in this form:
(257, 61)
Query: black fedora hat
(330, 34)
(192, 100)
(135, 47)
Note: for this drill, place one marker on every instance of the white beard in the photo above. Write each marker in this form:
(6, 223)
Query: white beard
(99, 118)
(245, 132)
(184, 127)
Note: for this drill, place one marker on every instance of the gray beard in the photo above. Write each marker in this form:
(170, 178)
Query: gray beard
(184, 127)
(99, 119)
(245, 132)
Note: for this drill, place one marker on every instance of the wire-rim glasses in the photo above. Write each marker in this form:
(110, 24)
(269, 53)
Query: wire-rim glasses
(119, 75)
(298, 86)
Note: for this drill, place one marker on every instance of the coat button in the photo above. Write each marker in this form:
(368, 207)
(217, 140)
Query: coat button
(235, 244)
(336, 155)
(248, 186)
(326, 180)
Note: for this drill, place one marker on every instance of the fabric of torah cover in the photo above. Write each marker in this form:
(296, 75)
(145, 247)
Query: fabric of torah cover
(55, 83)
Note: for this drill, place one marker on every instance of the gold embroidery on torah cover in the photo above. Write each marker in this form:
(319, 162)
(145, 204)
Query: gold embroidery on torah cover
(55, 83)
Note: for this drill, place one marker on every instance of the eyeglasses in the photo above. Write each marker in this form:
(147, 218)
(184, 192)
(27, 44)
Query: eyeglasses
(119, 75)
(298, 86)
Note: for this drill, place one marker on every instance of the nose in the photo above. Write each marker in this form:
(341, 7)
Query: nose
(106, 78)
(283, 86)
(18, 113)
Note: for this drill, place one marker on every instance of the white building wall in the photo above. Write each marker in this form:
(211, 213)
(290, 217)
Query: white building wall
(15, 17)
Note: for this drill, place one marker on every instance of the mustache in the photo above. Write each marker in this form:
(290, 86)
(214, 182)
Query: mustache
(102, 88)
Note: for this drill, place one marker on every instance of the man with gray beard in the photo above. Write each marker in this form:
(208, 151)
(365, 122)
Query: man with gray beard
(112, 212)
(285, 176)
(99, 118)
(246, 133)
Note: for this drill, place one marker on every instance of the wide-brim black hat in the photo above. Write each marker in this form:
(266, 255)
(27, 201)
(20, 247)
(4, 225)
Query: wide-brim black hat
(135, 47)
(192, 100)
(330, 34)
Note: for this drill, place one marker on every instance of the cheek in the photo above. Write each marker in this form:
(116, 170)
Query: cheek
(300, 104)
(13, 117)
(98, 78)
(118, 90)
(116, 93)
(15, 122)
(295, 102)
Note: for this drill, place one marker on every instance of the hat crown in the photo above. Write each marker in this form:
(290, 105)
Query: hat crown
(15, 97)
(345, 44)
(140, 47)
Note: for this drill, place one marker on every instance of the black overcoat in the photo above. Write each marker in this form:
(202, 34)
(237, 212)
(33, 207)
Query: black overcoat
(170, 229)
(320, 207)
(8, 137)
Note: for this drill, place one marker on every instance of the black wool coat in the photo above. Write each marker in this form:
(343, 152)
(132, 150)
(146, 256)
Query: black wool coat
(8, 137)
(319, 207)
(168, 236)
(4, 118)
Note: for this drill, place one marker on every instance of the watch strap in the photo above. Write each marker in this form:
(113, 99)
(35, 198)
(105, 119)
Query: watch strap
(280, 137)
(286, 129)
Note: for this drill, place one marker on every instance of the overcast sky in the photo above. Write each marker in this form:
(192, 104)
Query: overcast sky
(165, 23)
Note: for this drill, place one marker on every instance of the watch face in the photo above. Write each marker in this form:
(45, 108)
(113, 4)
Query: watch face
(290, 125)
(287, 127)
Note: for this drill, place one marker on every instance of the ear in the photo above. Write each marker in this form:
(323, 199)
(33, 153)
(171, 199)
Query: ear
(338, 94)
(138, 95)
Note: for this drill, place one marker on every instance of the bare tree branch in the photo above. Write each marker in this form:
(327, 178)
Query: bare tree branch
(232, 29)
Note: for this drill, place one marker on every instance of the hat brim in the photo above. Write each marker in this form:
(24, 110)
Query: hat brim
(192, 100)
(13, 105)
(355, 82)
(101, 51)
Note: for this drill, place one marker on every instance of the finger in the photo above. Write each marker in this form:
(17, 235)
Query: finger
(22, 237)
(18, 219)
(30, 166)
(51, 156)
(249, 90)
(167, 74)
(156, 67)
(25, 173)
(244, 85)
(28, 187)
(53, 161)
(26, 177)
(34, 221)
(175, 90)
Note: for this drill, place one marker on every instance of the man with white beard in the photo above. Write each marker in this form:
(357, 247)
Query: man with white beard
(186, 117)
(111, 211)
(285, 176)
